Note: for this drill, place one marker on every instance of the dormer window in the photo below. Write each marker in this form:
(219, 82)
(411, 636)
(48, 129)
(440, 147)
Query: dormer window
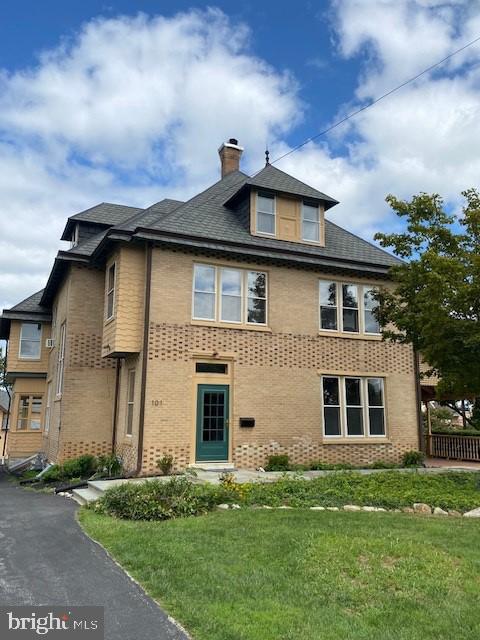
(266, 214)
(310, 222)
(74, 238)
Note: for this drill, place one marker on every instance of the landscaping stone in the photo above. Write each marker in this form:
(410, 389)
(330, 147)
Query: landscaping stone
(223, 506)
(317, 508)
(421, 507)
(368, 508)
(235, 506)
(351, 507)
(474, 513)
(285, 506)
(407, 510)
(438, 511)
(452, 512)
(266, 506)
(333, 509)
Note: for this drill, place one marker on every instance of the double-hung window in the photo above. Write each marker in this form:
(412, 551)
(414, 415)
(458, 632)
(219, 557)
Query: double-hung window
(110, 303)
(61, 360)
(229, 295)
(130, 401)
(30, 341)
(348, 307)
(29, 413)
(266, 214)
(353, 407)
(310, 222)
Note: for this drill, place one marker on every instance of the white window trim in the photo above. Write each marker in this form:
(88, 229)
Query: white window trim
(318, 223)
(61, 360)
(343, 408)
(113, 290)
(361, 289)
(130, 403)
(242, 295)
(265, 233)
(47, 416)
(194, 291)
(75, 235)
(20, 357)
(218, 296)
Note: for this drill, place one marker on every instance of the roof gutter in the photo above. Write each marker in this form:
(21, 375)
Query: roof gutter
(146, 325)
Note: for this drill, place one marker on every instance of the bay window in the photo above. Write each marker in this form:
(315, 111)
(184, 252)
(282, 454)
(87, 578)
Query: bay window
(353, 407)
(229, 295)
(29, 413)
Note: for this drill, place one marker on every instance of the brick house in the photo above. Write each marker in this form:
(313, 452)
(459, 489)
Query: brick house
(221, 330)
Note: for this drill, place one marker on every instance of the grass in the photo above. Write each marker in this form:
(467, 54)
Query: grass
(291, 575)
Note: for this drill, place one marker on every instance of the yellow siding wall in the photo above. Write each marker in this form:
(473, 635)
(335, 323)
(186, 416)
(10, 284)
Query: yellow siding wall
(15, 363)
(276, 374)
(21, 444)
(123, 333)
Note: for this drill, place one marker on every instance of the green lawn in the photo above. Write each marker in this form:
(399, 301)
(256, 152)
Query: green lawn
(302, 575)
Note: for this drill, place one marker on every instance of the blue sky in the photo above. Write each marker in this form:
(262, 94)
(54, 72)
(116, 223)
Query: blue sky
(98, 103)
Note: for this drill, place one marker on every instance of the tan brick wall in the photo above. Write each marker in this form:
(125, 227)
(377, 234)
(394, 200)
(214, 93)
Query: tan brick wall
(276, 375)
(81, 419)
(15, 363)
(123, 334)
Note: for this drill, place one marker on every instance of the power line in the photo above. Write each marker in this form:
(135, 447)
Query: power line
(382, 97)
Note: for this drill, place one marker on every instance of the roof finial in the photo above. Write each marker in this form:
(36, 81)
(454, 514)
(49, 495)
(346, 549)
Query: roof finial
(267, 156)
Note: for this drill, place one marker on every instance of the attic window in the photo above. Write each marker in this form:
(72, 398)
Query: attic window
(74, 238)
(310, 222)
(266, 214)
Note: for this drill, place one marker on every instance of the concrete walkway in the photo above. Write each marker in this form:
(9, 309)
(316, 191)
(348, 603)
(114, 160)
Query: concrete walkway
(46, 559)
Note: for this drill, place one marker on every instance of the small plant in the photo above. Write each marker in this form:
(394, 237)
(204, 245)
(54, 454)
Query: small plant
(381, 464)
(413, 458)
(109, 465)
(278, 463)
(165, 464)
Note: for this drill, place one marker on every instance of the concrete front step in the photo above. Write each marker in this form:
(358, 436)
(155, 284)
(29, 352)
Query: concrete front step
(84, 496)
(96, 488)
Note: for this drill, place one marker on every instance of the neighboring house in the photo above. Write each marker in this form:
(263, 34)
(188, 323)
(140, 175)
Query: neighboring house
(223, 329)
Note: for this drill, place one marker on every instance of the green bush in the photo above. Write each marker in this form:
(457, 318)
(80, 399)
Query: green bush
(81, 467)
(165, 464)
(456, 432)
(413, 458)
(278, 463)
(109, 465)
(381, 464)
(53, 474)
(157, 500)
(326, 466)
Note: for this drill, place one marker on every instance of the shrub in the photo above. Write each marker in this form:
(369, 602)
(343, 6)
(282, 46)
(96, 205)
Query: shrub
(109, 465)
(278, 463)
(157, 500)
(165, 464)
(325, 466)
(81, 467)
(53, 474)
(381, 464)
(413, 458)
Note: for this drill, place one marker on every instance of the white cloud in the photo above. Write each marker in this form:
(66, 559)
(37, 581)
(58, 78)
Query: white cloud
(132, 109)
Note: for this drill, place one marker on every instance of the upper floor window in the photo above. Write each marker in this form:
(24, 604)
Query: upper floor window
(75, 236)
(310, 223)
(348, 307)
(353, 407)
(266, 214)
(30, 341)
(229, 295)
(110, 291)
(61, 359)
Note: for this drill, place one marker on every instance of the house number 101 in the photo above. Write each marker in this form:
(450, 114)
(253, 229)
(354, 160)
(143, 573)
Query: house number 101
(156, 403)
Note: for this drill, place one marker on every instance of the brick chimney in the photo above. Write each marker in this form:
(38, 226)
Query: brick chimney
(230, 154)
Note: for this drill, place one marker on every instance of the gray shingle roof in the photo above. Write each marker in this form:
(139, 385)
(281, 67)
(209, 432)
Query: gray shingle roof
(272, 178)
(150, 215)
(105, 213)
(205, 216)
(88, 246)
(31, 305)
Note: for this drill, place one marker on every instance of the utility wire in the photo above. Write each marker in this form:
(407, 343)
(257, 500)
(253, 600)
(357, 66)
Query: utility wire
(382, 97)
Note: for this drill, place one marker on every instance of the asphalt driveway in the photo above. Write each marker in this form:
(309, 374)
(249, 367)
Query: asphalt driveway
(46, 559)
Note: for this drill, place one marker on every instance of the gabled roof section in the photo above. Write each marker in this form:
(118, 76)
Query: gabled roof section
(150, 215)
(105, 214)
(274, 179)
(29, 309)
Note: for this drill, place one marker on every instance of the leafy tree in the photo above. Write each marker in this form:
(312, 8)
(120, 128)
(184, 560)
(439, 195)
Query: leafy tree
(435, 303)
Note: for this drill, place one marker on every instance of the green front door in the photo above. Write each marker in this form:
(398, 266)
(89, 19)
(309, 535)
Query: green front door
(212, 422)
